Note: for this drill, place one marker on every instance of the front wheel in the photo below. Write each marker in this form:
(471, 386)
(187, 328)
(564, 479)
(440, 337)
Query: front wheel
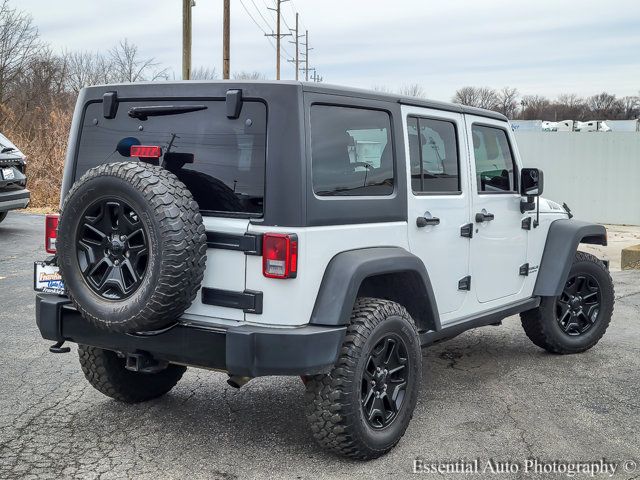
(576, 320)
(363, 406)
(3, 215)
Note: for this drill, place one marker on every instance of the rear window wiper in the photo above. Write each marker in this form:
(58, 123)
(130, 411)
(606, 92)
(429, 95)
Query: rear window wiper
(143, 113)
(7, 150)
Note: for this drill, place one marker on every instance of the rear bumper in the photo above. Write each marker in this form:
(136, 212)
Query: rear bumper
(14, 199)
(244, 350)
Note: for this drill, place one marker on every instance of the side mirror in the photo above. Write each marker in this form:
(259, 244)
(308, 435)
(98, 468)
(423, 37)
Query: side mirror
(531, 182)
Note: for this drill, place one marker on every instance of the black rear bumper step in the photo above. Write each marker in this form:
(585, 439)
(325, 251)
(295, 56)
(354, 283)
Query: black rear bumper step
(245, 350)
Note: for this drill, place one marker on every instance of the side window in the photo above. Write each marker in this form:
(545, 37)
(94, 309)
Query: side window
(433, 151)
(495, 170)
(351, 151)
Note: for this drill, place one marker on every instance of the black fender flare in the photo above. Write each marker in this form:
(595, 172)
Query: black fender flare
(347, 270)
(559, 251)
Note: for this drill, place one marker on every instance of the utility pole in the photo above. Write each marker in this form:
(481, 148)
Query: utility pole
(278, 35)
(297, 50)
(306, 56)
(226, 33)
(186, 38)
(316, 78)
(296, 60)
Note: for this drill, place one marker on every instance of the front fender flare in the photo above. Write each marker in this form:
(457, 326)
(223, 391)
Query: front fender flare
(559, 251)
(347, 270)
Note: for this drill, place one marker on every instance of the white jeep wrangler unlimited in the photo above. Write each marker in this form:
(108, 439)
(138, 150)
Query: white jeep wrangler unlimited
(294, 229)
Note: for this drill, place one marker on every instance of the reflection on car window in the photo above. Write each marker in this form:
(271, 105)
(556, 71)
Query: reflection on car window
(494, 161)
(433, 154)
(220, 160)
(351, 151)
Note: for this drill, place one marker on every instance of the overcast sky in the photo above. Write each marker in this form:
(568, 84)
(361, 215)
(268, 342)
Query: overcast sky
(546, 46)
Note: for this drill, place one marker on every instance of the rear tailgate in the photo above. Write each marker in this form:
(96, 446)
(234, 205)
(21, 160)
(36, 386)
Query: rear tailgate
(221, 160)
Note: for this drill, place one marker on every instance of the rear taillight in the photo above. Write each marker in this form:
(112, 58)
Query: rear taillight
(279, 255)
(146, 151)
(50, 232)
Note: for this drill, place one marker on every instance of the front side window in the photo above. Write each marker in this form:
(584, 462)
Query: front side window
(494, 160)
(351, 151)
(433, 154)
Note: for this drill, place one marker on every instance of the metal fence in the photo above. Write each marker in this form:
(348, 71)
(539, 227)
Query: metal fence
(597, 174)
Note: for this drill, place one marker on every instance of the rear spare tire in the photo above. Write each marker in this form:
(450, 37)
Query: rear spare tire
(131, 247)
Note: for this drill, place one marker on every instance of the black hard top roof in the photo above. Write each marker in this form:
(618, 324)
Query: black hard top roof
(319, 88)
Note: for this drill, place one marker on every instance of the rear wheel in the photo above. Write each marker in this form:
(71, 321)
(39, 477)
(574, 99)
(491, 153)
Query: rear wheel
(362, 407)
(3, 215)
(106, 372)
(576, 320)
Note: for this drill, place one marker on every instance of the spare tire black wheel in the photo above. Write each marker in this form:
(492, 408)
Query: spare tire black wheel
(131, 247)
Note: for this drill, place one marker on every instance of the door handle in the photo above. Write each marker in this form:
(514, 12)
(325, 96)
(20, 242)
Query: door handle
(424, 221)
(484, 217)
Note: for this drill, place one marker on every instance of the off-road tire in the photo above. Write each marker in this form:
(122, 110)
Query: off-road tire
(177, 245)
(3, 215)
(106, 372)
(333, 401)
(541, 325)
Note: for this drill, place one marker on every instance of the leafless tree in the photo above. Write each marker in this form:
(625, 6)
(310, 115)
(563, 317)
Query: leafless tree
(127, 65)
(507, 101)
(535, 107)
(466, 96)
(569, 106)
(249, 76)
(630, 107)
(412, 90)
(481, 97)
(381, 89)
(204, 73)
(605, 106)
(86, 68)
(19, 44)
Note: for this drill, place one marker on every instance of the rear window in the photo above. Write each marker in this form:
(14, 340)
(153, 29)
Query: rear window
(220, 160)
(351, 151)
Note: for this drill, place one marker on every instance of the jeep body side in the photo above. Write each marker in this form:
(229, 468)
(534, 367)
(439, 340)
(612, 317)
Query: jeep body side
(414, 205)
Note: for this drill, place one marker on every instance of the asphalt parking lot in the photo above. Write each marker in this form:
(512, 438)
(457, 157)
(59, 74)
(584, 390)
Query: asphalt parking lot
(488, 394)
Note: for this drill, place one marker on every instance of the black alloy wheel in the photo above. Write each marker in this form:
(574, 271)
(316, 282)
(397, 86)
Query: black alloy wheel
(579, 305)
(384, 381)
(112, 248)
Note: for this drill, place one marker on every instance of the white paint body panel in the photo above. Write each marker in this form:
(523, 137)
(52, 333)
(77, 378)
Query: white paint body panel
(492, 257)
(440, 247)
(225, 270)
(291, 301)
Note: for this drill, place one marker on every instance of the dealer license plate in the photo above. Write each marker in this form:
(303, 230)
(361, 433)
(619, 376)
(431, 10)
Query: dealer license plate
(46, 278)
(7, 174)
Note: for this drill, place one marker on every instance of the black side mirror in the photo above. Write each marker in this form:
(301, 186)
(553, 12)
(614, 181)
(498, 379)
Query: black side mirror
(531, 182)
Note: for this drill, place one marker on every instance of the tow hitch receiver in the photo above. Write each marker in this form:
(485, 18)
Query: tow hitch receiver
(144, 363)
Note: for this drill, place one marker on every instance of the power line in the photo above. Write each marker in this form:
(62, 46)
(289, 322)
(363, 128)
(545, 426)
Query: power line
(251, 17)
(260, 13)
